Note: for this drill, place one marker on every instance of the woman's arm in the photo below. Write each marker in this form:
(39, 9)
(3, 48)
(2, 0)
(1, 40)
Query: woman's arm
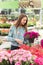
(19, 41)
(10, 34)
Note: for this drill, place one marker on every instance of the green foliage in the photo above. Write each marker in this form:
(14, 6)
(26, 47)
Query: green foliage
(4, 34)
(26, 63)
(5, 25)
(5, 62)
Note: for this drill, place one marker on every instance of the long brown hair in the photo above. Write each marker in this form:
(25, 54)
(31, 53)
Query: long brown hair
(19, 21)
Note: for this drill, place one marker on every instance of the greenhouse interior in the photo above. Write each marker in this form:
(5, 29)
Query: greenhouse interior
(21, 32)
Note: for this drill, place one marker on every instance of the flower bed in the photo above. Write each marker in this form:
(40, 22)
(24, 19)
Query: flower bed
(35, 50)
(20, 57)
(17, 56)
(25, 55)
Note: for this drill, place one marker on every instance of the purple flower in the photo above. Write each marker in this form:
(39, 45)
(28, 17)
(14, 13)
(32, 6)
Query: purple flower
(31, 34)
(42, 42)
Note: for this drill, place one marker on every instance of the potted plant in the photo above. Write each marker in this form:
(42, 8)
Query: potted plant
(30, 36)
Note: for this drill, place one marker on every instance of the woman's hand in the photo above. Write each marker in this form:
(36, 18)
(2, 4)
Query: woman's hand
(19, 41)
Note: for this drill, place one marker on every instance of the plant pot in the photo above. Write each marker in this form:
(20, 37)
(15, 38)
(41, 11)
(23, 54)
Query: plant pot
(31, 40)
(28, 41)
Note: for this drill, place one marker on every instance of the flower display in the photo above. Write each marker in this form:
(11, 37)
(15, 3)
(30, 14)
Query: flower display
(24, 56)
(17, 56)
(35, 50)
(21, 55)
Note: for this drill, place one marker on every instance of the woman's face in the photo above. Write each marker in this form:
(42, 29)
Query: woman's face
(23, 21)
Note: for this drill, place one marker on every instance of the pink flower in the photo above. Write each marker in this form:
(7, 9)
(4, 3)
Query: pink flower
(15, 55)
(18, 63)
(22, 59)
(31, 64)
(39, 61)
(1, 59)
(9, 51)
(4, 57)
(11, 59)
(41, 42)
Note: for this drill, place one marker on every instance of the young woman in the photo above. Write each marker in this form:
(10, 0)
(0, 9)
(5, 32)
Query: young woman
(17, 31)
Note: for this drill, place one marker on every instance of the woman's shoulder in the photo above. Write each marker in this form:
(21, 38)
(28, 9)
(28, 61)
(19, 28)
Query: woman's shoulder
(12, 26)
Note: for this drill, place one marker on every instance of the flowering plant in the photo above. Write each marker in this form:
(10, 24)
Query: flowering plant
(41, 43)
(25, 47)
(35, 50)
(4, 57)
(39, 61)
(21, 57)
(18, 57)
(31, 35)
